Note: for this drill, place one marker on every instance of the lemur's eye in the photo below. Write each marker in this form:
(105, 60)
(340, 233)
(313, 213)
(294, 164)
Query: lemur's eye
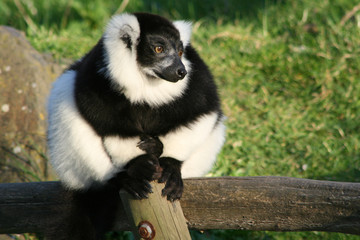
(180, 53)
(159, 49)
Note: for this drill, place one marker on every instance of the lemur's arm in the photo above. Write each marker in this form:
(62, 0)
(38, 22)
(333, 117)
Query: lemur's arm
(148, 167)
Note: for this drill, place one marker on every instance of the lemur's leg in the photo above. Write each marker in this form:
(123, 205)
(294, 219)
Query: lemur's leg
(172, 176)
(171, 168)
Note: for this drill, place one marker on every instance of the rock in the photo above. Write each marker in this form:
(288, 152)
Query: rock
(6, 237)
(25, 81)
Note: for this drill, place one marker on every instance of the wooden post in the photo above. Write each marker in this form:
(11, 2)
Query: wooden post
(155, 216)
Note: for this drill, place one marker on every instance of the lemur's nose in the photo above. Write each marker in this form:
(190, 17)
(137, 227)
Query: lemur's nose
(181, 72)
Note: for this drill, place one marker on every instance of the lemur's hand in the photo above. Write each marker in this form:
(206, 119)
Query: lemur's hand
(138, 174)
(151, 145)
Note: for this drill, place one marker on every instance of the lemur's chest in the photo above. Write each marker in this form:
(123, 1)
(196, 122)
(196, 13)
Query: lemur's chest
(148, 121)
(142, 119)
(128, 120)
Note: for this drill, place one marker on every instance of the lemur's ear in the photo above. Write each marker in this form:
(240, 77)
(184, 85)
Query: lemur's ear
(184, 28)
(124, 27)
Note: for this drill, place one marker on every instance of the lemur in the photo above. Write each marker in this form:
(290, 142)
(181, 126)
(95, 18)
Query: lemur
(141, 105)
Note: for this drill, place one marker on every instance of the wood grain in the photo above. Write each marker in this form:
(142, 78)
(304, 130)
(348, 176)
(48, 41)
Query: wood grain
(272, 203)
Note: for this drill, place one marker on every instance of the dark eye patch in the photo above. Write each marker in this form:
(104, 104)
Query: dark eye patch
(157, 41)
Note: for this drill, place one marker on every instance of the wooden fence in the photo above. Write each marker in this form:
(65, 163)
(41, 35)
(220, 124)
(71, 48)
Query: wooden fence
(247, 203)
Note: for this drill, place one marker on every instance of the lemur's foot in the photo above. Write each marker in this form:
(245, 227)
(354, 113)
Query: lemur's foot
(171, 174)
(144, 167)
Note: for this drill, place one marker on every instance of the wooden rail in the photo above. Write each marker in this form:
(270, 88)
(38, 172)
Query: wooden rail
(249, 203)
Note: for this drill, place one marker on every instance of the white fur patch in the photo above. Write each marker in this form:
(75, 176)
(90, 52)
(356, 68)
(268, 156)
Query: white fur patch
(185, 29)
(76, 151)
(203, 158)
(182, 143)
(125, 72)
(122, 150)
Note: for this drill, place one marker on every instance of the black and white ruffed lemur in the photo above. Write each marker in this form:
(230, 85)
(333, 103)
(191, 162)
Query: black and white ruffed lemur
(140, 106)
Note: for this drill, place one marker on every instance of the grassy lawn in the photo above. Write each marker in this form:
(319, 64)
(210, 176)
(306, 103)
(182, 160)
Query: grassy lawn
(288, 73)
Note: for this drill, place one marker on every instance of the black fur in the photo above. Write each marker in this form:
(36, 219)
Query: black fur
(152, 25)
(87, 216)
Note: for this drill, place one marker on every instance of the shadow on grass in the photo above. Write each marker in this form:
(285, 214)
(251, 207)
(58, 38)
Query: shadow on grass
(61, 14)
(225, 10)
(344, 175)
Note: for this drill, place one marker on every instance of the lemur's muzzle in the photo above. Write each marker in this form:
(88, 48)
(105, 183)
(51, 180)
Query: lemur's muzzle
(174, 72)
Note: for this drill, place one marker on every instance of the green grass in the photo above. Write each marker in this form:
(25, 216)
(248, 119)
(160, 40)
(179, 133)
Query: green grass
(288, 73)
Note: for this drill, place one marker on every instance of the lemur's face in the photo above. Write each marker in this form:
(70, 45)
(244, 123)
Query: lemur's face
(160, 56)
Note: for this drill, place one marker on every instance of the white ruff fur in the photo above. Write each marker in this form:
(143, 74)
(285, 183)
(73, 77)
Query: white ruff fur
(185, 29)
(125, 72)
(76, 151)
